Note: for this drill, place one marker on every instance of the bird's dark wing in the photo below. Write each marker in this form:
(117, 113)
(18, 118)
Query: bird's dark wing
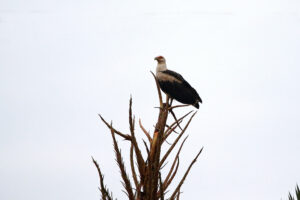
(177, 76)
(183, 91)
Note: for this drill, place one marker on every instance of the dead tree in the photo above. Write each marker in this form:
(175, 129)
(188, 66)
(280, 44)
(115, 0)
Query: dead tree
(148, 182)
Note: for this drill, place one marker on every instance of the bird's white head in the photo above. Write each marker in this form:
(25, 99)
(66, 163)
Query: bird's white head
(160, 59)
(161, 63)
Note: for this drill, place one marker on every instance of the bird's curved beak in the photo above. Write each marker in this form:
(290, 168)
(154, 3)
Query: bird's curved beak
(155, 58)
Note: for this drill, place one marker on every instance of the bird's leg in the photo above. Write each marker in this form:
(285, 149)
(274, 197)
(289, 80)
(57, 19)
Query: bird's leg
(173, 114)
(175, 118)
(167, 101)
(171, 102)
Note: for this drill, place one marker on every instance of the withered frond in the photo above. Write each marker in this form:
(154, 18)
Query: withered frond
(158, 90)
(185, 175)
(133, 168)
(126, 183)
(125, 136)
(146, 147)
(181, 118)
(167, 179)
(144, 131)
(178, 195)
(177, 139)
(139, 157)
(297, 190)
(175, 118)
(161, 190)
(104, 191)
(174, 125)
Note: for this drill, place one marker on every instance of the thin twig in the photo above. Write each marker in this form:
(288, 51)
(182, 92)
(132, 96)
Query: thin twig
(173, 130)
(173, 175)
(161, 193)
(146, 147)
(179, 121)
(178, 194)
(167, 142)
(133, 168)
(146, 132)
(185, 175)
(158, 90)
(104, 191)
(131, 119)
(174, 162)
(177, 139)
(173, 114)
(126, 137)
(165, 164)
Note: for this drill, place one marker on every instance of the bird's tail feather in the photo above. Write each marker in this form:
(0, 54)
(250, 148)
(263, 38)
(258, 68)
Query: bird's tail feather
(196, 105)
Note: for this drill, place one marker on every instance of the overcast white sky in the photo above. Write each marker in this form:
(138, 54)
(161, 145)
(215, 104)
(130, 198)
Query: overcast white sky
(62, 62)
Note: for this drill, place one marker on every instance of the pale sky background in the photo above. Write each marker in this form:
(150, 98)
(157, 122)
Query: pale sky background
(63, 62)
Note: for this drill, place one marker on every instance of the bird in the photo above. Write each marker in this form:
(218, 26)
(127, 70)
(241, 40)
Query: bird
(174, 85)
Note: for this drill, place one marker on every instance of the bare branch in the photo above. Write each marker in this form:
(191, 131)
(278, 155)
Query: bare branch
(139, 157)
(179, 121)
(146, 147)
(173, 165)
(126, 137)
(146, 132)
(131, 120)
(161, 192)
(165, 164)
(177, 139)
(185, 175)
(132, 168)
(153, 167)
(173, 175)
(127, 184)
(173, 114)
(104, 191)
(172, 130)
(158, 90)
(178, 194)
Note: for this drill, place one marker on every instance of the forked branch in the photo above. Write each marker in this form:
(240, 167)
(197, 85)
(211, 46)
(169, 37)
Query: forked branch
(125, 136)
(177, 139)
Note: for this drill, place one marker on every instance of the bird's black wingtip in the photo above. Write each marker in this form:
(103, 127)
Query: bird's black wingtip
(200, 100)
(196, 105)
